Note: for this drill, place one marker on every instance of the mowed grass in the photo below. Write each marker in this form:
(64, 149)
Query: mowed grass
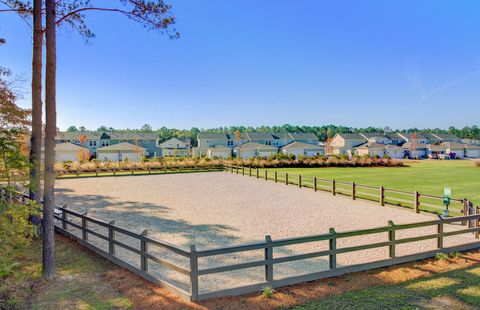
(458, 289)
(427, 176)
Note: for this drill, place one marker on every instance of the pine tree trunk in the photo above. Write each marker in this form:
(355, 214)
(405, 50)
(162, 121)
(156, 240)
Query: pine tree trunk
(50, 132)
(36, 138)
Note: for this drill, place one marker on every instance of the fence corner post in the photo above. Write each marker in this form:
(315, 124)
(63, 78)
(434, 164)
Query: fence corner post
(333, 187)
(111, 238)
(193, 273)
(391, 239)
(332, 247)
(266, 174)
(286, 178)
(268, 259)
(84, 226)
(315, 184)
(416, 202)
(354, 191)
(299, 180)
(382, 196)
(440, 232)
(257, 172)
(144, 250)
(64, 218)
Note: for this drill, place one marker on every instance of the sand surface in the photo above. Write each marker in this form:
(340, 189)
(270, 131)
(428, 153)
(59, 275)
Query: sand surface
(219, 209)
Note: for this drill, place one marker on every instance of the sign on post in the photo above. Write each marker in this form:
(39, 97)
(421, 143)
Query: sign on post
(447, 194)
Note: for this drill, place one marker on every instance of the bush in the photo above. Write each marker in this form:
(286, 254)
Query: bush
(268, 292)
(455, 255)
(441, 256)
(477, 163)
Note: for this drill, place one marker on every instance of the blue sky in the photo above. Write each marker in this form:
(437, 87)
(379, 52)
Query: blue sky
(357, 63)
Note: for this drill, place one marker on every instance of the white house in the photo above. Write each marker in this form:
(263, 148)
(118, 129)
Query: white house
(472, 151)
(69, 151)
(302, 149)
(394, 151)
(253, 149)
(219, 151)
(120, 152)
(175, 147)
(452, 147)
(416, 149)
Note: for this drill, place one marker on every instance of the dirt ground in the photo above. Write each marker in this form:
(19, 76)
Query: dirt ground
(219, 209)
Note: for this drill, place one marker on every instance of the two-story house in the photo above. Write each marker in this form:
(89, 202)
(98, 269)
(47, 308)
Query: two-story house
(343, 143)
(175, 147)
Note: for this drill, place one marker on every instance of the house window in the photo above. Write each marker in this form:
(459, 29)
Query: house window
(230, 143)
(105, 143)
(76, 141)
(92, 143)
(146, 141)
(268, 142)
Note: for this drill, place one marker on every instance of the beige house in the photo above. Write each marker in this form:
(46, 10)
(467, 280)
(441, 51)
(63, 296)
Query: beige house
(343, 143)
(219, 151)
(253, 149)
(300, 149)
(175, 147)
(69, 152)
(416, 149)
(120, 152)
(370, 148)
(452, 147)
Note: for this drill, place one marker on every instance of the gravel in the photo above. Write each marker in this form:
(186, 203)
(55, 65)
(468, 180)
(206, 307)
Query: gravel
(218, 209)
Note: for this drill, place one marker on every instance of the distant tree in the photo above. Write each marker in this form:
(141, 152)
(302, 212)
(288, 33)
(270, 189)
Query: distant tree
(82, 128)
(72, 129)
(146, 128)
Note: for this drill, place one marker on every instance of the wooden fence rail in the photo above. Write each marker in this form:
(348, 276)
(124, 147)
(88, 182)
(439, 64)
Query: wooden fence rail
(134, 171)
(78, 226)
(413, 200)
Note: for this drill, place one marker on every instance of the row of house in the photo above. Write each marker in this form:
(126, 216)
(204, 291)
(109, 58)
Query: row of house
(117, 146)
(401, 145)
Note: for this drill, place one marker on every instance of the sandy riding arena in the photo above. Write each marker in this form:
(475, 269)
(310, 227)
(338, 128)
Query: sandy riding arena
(220, 209)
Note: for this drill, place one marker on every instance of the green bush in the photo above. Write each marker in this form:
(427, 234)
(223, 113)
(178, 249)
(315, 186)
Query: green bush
(441, 256)
(268, 292)
(16, 233)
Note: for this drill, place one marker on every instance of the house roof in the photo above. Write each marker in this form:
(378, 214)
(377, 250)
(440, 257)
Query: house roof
(409, 145)
(252, 136)
(303, 136)
(212, 136)
(67, 146)
(350, 136)
(368, 135)
(452, 145)
(124, 146)
(393, 146)
(219, 147)
(395, 136)
(115, 135)
(301, 145)
(371, 145)
(447, 136)
(256, 146)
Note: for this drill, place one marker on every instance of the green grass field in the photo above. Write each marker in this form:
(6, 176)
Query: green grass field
(425, 176)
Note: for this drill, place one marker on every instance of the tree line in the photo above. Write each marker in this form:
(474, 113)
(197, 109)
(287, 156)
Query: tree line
(322, 132)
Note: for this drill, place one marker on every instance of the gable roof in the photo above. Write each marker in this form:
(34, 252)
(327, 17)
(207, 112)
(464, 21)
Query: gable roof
(371, 145)
(255, 146)
(114, 135)
(303, 136)
(175, 141)
(417, 146)
(124, 146)
(212, 136)
(350, 136)
(301, 145)
(252, 136)
(447, 137)
(452, 145)
(219, 147)
(67, 146)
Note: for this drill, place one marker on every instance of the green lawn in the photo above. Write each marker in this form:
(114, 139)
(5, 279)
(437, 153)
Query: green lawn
(458, 289)
(425, 176)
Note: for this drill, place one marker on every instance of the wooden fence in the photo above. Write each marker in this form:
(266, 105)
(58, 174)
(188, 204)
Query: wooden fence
(69, 173)
(80, 230)
(413, 200)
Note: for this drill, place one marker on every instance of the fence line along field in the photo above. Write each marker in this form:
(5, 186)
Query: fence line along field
(218, 209)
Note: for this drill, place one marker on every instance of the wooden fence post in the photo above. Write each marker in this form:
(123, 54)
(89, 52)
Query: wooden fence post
(236, 169)
(315, 183)
(333, 187)
(300, 181)
(268, 258)
(144, 250)
(243, 170)
(440, 233)
(111, 237)
(96, 172)
(266, 174)
(391, 238)
(84, 226)
(353, 191)
(149, 170)
(286, 178)
(477, 222)
(275, 176)
(466, 204)
(249, 171)
(114, 171)
(332, 258)
(193, 273)
(382, 196)
(416, 202)
(257, 173)
(64, 218)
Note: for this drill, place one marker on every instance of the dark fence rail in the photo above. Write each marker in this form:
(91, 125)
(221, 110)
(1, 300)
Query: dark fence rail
(413, 200)
(80, 230)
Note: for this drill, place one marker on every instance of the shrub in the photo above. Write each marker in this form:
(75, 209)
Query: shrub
(477, 163)
(441, 256)
(268, 292)
(455, 255)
